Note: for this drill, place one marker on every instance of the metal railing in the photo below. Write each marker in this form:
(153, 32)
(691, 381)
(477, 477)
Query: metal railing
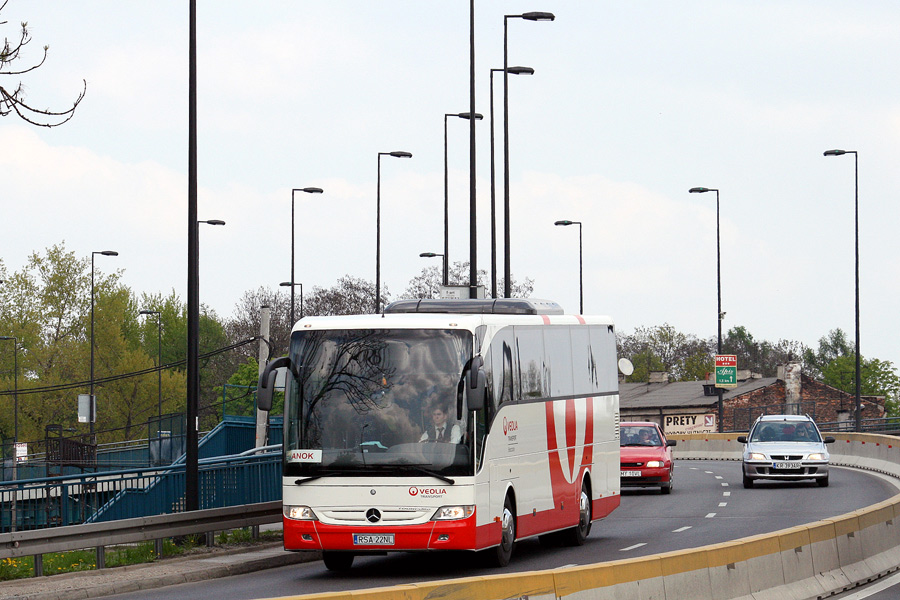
(31, 504)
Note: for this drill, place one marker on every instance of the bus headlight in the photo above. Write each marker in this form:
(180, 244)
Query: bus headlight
(655, 464)
(300, 513)
(453, 513)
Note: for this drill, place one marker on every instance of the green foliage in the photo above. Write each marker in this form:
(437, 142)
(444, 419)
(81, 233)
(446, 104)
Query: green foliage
(662, 348)
(761, 357)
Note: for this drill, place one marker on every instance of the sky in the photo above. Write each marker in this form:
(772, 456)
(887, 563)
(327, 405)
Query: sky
(631, 104)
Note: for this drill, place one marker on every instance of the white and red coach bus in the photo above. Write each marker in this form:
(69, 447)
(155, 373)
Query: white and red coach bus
(529, 400)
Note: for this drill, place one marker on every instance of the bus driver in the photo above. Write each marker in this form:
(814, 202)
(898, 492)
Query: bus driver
(440, 430)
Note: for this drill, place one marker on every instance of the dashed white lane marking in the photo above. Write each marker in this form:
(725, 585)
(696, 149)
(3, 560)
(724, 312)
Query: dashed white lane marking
(726, 494)
(718, 477)
(632, 547)
(680, 529)
(723, 504)
(710, 515)
(724, 484)
(708, 472)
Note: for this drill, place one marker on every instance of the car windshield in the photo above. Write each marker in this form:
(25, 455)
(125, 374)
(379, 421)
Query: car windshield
(639, 435)
(785, 431)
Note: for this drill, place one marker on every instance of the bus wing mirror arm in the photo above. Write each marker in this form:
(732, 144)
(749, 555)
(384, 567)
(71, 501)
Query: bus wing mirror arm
(265, 388)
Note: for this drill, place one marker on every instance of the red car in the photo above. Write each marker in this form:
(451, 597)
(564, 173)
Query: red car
(645, 456)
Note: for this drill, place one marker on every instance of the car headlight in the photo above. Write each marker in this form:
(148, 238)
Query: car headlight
(816, 456)
(453, 513)
(655, 464)
(757, 456)
(300, 513)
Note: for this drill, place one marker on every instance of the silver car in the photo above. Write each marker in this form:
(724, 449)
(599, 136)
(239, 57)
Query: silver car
(785, 447)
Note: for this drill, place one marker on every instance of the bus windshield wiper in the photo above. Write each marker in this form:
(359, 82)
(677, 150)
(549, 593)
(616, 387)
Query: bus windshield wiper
(424, 471)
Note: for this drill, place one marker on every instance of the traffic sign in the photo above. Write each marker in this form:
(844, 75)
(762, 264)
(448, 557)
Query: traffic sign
(726, 371)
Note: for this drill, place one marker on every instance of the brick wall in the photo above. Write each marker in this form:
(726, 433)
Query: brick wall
(822, 402)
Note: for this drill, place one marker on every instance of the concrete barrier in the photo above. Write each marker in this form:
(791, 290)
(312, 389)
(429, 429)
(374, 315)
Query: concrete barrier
(799, 563)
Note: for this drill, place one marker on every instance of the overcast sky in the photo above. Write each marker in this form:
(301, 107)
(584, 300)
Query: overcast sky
(631, 104)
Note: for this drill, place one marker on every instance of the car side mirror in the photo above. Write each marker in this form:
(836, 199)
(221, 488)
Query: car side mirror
(671, 442)
(829, 440)
(265, 388)
(742, 439)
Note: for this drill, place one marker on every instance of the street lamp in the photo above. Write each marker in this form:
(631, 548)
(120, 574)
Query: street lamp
(395, 154)
(292, 285)
(158, 363)
(721, 315)
(462, 115)
(434, 254)
(529, 16)
(93, 403)
(15, 342)
(308, 190)
(580, 264)
(191, 454)
(511, 71)
(856, 232)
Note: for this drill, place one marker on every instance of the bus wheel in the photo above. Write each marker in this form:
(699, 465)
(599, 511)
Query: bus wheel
(501, 554)
(578, 534)
(337, 561)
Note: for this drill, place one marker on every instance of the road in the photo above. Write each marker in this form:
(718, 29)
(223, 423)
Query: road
(708, 505)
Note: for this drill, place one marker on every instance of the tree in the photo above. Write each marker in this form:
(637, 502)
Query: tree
(831, 346)
(245, 321)
(760, 357)
(662, 348)
(349, 296)
(428, 283)
(14, 101)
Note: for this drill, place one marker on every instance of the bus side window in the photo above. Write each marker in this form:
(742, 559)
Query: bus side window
(501, 369)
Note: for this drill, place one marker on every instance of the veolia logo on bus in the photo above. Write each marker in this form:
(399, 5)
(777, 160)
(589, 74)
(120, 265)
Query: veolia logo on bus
(425, 492)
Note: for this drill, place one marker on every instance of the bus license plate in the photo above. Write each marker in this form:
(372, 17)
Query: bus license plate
(631, 473)
(370, 539)
(787, 465)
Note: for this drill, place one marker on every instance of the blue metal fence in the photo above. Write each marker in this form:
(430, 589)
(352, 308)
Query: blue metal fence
(112, 495)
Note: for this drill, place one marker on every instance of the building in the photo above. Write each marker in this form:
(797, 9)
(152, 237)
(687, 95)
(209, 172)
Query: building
(692, 406)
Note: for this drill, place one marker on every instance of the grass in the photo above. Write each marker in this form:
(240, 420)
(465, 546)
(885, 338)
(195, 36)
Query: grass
(132, 554)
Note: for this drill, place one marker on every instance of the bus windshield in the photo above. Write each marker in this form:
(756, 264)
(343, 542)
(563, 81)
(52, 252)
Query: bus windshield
(376, 402)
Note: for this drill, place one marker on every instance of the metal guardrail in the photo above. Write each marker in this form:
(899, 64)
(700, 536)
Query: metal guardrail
(126, 531)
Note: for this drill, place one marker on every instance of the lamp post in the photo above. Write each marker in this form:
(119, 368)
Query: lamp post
(721, 315)
(565, 223)
(15, 342)
(434, 254)
(191, 454)
(511, 71)
(529, 16)
(395, 154)
(856, 233)
(93, 402)
(462, 115)
(158, 363)
(292, 285)
(308, 190)
(15, 458)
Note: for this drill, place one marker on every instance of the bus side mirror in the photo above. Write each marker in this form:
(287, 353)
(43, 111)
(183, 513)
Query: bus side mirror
(477, 392)
(265, 388)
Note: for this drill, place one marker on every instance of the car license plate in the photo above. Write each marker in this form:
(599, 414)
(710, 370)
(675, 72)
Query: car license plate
(370, 539)
(631, 473)
(787, 465)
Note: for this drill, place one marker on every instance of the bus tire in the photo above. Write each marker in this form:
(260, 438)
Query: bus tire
(337, 561)
(501, 554)
(576, 536)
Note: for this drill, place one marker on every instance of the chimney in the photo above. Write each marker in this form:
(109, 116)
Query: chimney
(792, 392)
(659, 377)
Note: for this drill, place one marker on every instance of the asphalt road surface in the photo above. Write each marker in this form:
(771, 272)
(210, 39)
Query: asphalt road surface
(708, 505)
